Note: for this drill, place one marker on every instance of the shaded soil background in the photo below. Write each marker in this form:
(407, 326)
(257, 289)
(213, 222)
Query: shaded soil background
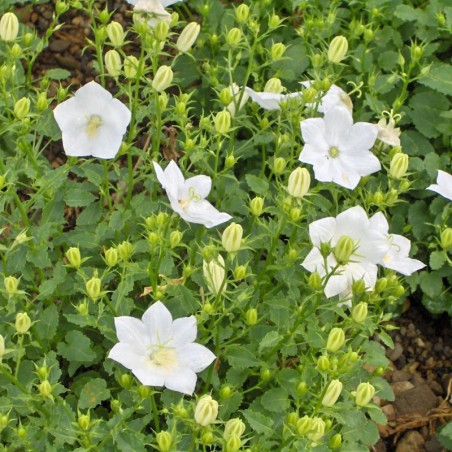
(421, 360)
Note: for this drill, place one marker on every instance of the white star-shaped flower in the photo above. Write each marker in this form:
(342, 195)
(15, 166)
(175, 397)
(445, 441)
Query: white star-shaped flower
(161, 351)
(92, 122)
(338, 149)
(334, 97)
(270, 101)
(443, 185)
(187, 197)
(388, 133)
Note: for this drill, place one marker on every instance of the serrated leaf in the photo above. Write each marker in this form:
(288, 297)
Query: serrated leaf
(256, 184)
(241, 358)
(431, 284)
(48, 322)
(375, 354)
(76, 197)
(230, 405)
(93, 393)
(445, 436)
(439, 78)
(58, 74)
(437, 260)
(77, 347)
(269, 340)
(275, 399)
(258, 422)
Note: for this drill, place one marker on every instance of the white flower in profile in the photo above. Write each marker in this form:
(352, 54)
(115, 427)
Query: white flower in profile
(338, 149)
(154, 12)
(187, 197)
(161, 351)
(397, 255)
(369, 248)
(270, 101)
(334, 97)
(163, 3)
(388, 133)
(234, 106)
(443, 185)
(92, 122)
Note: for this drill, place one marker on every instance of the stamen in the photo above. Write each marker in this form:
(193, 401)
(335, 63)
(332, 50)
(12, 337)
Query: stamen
(333, 152)
(94, 123)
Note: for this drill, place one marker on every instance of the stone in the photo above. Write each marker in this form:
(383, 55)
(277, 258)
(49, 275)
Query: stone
(395, 354)
(401, 386)
(411, 441)
(389, 412)
(400, 375)
(419, 399)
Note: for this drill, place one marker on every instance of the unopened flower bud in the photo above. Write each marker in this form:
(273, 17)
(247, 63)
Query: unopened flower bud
(315, 281)
(214, 274)
(125, 380)
(28, 39)
(364, 394)
(175, 238)
(241, 13)
(359, 312)
(207, 438)
(125, 250)
(206, 410)
(332, 393)
(74, 258)
(323, 363)
(302, 388)
(299, 182)
(304, 425)
(61, 7)
(234, 427)
(111, 257)
(115, 33)
(277, 51)
(144, 391)
(161, 31)
(42, 102)
(113, 63)
(225, 96)
(239, 272)
(232, 238)
(251, 317)
(358, 286)
(335, 441)
(4, 420)
(309, 95)
(21, 431)
(223, 122)
(279, 165)
(233, 37)
(399, 166)
(273, 85)
(230, 161)
(11, 284)
(317, 429)
(295, 213)
(188, 37)
(368, 34)
(344, 249)
(163, 438)
(337, 49)
(45, 388)
(274, 21)
(265, 374)
(292, 418)
(9, 27)
(336, 340)
(446, 239)
(23, 323)
(130, 66)
(84, 421)
(22, 108)
(93, 287)
(378, 198)
(257, 206)
(233, 444)
(163, 78)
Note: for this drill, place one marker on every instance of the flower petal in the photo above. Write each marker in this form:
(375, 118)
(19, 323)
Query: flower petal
(201, 185)
(182, 380)
(150, 375)
(362, 137)
(314, 133)
(132, 331)
(314, 262)
(195, 356)
(184, 331)
(362, 164)
(322, 231)
(158, 320)
(127, 355)
(202, 212)
(338, 122)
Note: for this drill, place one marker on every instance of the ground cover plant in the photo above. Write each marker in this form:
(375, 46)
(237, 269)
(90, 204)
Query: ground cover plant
(243, 196)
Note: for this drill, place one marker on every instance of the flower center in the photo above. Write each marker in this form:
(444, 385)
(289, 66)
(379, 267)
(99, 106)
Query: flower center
(94, 123)
(163, 356)
(185, 201)
(333, 152)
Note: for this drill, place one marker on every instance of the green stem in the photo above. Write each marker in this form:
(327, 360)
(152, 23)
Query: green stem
(19, 354)
(155, 413)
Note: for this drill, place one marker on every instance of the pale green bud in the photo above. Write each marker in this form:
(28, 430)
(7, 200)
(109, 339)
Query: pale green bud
(74, 258)
(111, 257)
(125, 380)
(299, 182)
(241, 13)
(23, 323)
(304, 425)
(364, 394)
(207, 438)
(344, 249)
(279, 165)
(273, 85)
(274, 21)
(233, 37)
(359, 286)
(9, 27)
(323, 363)
(239, 272)
(225, 392)
(163, 101)
(214, 274)
(131, 66)
(359, 312)
(234, 427)
(125, 250)
(28, 39)
(232, 238)
(292, 418)
(163, 438)
(332, 393)
(302, 388)
(144, 391)
(233, 444)
(93, 287)
(175, 238)
(251, 317)
(225, 96)
(161, 30)
(446, 239)
(42, 102)
(337, 49)
(113, 63)
(163, 78)
(317, 429)
(399, 166)
(295, 213)
(381, 284)
(61, 7)
(4, 420)
(84, 421)
(45, 388)
(115, 33)
(336, 340)
(22, 108)
(315, 281)
(188, 37)
(223, 122)
(277, 51)
(257, 206)
(11, 285)
(230, 161)
(335, 441)
(265, 374)
(206, 410)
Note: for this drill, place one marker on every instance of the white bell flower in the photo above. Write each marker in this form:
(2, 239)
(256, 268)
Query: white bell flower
(187, 197)
(334, 97)
(92, 122)
(270, 101)
(338, 149)
(443, 185)
(234, 105)
(388, 133)
(161, 351)
(163, 3)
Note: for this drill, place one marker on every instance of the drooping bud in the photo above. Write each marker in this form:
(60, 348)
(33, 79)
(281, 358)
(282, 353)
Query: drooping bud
(11, 284)
(175, 238)
(163, 78)
(241, 13)
(257, 206)
(234, 427)
(232, 238)
(116, 33)
(323, 363)
(446, 239)
(239, 272)
(302, 388)
(344, 249)
(223, 122)
(277, 51)
(93, 287)
(274, 21)
(273, 85)
(364, 394)
(332, 393)
(163, 438)
(359, 312)
(207, 437)
(22, 108)
(42, 102)
(233, 444)
(317, 429)
(399, 166)
(188, 37)
(113, 63)
(206, 410)
(315, 281)
(214, 274)
(233, 37)
(131, 66)
(336, 340)
(9, 27)
(335, 441)
(23, 323)
(74, 258)
(337, 49)
(299, 182)
(84, 421)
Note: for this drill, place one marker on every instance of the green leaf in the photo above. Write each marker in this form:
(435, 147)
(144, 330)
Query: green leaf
(431, 284)
(76, 197)
(48, 322)
(57, 74)
(258, 422)
(445, 436)
(241, 358)
(230, 405)
(437, 260)
(77, 347)
(377, 415)
(269, 340)
(375, 354)
(439, 78)
(93, 393)
(386, 339)
(275, 399)
(257, 184)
